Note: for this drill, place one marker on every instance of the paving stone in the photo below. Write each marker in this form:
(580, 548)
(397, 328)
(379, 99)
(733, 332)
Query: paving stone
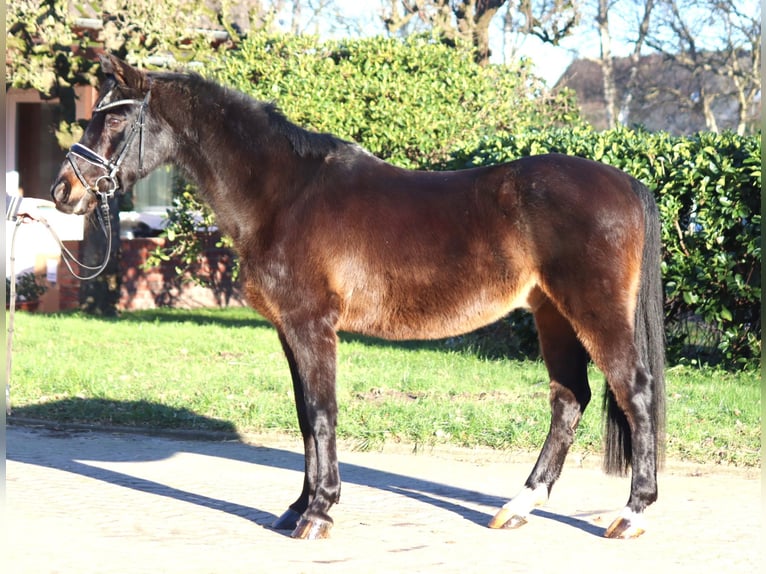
(103, 503)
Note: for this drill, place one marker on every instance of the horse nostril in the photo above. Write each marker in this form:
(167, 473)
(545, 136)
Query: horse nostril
(61, 191)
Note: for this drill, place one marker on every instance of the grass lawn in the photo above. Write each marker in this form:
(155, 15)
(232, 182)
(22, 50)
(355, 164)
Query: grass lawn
(224, 370)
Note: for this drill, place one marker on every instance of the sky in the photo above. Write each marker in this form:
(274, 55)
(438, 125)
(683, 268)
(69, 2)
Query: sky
(549, 61)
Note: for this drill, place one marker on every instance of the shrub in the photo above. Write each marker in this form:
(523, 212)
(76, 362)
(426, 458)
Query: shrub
(411, 102)
(420, 104)
(28, 288)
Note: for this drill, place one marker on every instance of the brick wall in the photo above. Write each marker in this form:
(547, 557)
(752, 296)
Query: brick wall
(160, 286)
(68, 286)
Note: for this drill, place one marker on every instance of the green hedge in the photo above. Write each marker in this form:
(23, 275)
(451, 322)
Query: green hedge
(411, 102)
(708, 189)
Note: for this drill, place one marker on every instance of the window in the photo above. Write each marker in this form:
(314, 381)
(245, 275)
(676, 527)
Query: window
(155, 190)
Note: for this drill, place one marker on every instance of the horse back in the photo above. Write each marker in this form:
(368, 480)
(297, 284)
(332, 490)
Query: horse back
(405, 254)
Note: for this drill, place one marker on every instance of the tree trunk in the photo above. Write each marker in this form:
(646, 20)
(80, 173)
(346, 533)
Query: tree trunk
(100, 296)
(295, 24)
(623, 113)
(707, 111)
(607, 64)
(741, 113)
(481, 35)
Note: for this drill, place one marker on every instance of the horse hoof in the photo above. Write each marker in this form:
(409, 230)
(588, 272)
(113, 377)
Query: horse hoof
(507, 519)
(288, 520)
(312, 529)
(627, 525)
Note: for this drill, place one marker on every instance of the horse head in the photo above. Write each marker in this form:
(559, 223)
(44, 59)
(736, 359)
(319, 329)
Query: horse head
(111, 154)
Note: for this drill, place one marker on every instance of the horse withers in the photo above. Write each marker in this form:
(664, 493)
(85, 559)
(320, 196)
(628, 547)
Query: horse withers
(332, 239)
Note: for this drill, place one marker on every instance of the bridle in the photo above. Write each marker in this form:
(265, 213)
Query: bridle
(111, 168)
(112, 165)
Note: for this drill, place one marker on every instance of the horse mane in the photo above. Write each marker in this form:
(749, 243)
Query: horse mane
(305, 143)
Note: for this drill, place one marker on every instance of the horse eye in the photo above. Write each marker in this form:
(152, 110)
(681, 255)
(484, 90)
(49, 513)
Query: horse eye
(114, 121)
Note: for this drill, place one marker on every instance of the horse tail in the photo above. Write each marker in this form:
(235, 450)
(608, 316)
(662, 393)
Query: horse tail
(650, 343)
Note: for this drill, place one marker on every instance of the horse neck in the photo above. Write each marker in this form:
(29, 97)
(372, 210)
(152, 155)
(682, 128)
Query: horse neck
(224, 150)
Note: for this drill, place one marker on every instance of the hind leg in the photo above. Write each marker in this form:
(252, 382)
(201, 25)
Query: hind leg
(567, 362)
(632, 437)
(632, 391)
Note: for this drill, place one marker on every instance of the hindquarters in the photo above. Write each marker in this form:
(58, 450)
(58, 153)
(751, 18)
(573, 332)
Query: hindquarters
(595, 241)
(596, 236)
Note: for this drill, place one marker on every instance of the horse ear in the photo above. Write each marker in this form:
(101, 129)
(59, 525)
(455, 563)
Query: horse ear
(124, 73)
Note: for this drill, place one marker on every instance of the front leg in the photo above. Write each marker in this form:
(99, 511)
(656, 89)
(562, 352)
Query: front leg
(289, 519)
(310, 348)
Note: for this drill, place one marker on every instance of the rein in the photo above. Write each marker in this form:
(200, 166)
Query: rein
(67, 255)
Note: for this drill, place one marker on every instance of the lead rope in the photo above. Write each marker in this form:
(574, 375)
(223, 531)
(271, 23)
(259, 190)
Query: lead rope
(106, 227)
(11, 313)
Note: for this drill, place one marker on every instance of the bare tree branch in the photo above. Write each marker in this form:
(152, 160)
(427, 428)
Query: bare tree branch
(727, 66)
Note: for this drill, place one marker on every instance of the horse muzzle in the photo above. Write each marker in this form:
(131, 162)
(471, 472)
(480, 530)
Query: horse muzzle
(72, 197)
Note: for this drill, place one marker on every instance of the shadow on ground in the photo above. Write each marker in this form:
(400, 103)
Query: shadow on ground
(225, 444)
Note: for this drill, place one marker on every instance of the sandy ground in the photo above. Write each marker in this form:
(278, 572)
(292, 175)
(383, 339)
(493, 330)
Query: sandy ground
(103, 502)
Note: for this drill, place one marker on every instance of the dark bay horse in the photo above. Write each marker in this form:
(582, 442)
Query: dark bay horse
(332, 239)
